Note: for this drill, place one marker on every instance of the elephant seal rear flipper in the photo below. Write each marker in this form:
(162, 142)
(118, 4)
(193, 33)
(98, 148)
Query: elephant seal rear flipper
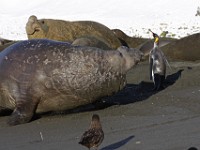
(26, 102)
(23, 112)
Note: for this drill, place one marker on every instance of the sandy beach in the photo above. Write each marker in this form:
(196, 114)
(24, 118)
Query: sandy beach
(133, 119)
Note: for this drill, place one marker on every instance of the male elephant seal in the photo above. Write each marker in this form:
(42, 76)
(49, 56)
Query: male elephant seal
(4, 41)
(41, 75)
(69, 31)
(2, 47)
(90, 41)
(127, 40)
(186, 48)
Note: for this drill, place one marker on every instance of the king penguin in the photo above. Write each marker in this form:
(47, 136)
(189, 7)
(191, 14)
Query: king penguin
(157, 62)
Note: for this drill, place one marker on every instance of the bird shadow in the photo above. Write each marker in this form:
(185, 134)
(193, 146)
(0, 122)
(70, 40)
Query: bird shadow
(117, 145)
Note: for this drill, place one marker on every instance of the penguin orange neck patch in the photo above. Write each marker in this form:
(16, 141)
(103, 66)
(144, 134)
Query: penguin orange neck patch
(156, 40)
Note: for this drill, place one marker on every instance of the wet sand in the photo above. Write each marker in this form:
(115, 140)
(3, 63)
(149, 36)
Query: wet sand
(133, 119)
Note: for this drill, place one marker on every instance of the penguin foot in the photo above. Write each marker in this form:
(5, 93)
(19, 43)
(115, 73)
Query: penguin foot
(158, 88)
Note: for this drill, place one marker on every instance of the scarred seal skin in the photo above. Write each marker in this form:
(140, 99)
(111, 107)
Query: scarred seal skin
(42, 75)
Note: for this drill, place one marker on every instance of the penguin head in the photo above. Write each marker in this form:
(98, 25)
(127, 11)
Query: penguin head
(155, 36)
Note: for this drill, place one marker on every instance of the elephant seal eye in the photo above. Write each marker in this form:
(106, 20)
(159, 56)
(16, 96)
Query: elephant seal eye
(42, 21)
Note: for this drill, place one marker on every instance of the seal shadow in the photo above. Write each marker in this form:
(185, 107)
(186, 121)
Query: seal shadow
(130, 94)
(5, 112)
(117, 145)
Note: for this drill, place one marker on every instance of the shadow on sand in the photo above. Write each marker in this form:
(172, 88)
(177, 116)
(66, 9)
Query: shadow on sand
(130, 94)
(138, 92)
(117, 145)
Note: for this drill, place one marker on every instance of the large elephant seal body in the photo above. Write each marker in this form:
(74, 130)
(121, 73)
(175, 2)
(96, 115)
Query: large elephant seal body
(69, 31)
(41, 75)
(187, 48)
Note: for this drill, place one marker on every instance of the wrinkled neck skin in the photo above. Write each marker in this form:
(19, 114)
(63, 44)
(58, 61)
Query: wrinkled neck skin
(128, 60)
(131, 57)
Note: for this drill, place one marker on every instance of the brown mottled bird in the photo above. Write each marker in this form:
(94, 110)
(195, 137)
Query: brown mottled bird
(94, 136)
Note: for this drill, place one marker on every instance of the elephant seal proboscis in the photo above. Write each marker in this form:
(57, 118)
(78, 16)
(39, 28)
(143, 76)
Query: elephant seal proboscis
(41, 75)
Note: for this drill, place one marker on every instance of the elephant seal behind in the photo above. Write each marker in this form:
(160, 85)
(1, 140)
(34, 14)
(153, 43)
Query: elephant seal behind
(143, 44)
(127, 40)
(90, 41)
(2, 47)
(69, 31)
(187, 48)
(41, 75)
(147, 46)
(4, 41)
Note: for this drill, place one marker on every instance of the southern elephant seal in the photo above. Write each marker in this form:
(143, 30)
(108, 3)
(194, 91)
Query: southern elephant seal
(69, 31)
(2, 47)
(41, 75)
(127, 40)
(90, 41)
(187, 48)
(4, 41)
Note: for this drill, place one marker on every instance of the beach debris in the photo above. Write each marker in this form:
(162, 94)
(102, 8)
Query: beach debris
(41, 136)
